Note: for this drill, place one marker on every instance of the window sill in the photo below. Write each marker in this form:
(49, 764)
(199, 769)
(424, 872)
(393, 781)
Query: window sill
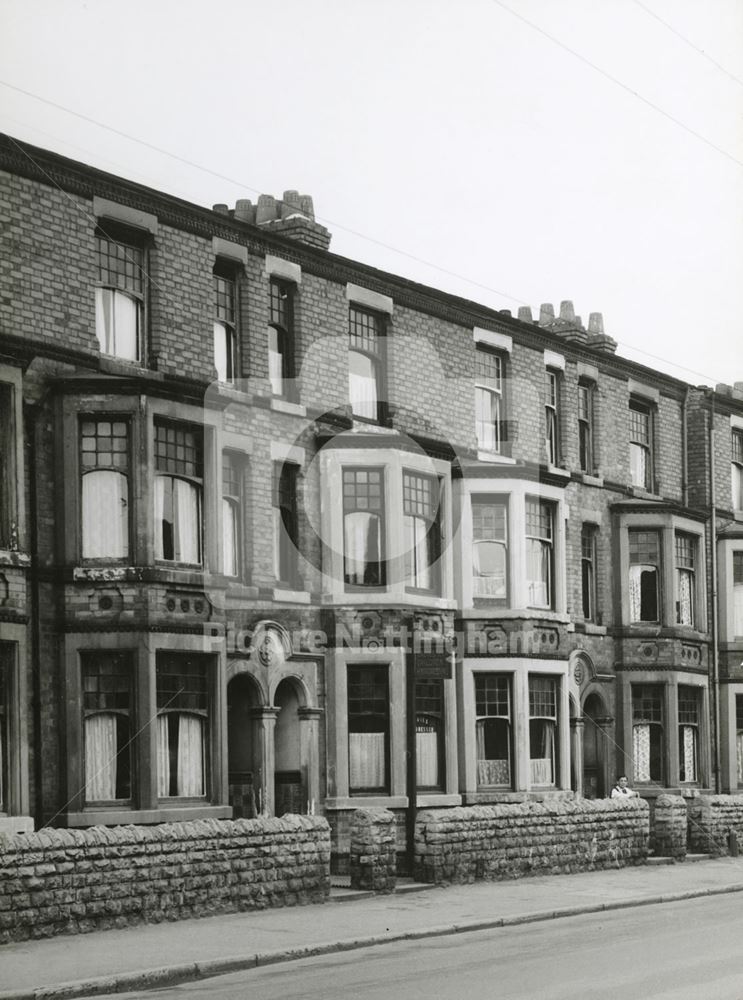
(588, 480)
(589, 628)
(10, 557)
(557, 470)
(387, 598)
(290, 596)
(281, 405)
(366, 802)
(494, 458)
(123, 817)
(432, 800)
(527, 614)
(111, 365)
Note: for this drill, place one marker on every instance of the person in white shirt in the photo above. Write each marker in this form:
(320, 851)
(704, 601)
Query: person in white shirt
(622, 790)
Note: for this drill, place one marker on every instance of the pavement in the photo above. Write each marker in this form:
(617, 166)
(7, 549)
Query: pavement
(155, 955)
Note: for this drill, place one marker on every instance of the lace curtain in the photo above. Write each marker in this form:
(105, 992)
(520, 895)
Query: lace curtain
(427, 759)
(738, 610)
(490, 772)
(361, 531)
(638, 464)
(366, 760)
(641, 751)
(688, 753)
(116, 323)
(100, 757)
(538, 556)
(543, 756)
(177, 520)
(229, 537)
(685, 600)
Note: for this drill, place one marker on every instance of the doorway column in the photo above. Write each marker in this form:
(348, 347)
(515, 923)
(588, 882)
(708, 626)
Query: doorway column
(265, 726)
(309, 719)
(576, 749)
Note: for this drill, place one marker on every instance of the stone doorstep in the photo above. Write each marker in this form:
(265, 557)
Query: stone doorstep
(341, 891)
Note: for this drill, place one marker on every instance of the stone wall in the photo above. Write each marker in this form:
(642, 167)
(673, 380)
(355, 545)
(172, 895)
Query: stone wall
(711, 820)
(669, 827)
(74, 881)
(373, 860)
(529, 838)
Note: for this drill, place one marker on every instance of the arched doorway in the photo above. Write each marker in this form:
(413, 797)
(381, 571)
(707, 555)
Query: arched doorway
(242, 758)
(594, 748)
(290, 785)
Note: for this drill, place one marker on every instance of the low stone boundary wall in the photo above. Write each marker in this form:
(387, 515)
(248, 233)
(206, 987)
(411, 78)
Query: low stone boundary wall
(670, 822)
(373, 860)
(73, 881)
(711, 820)
(530, 838)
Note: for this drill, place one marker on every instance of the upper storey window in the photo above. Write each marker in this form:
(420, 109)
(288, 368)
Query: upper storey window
(179, 464)
(119, 295)
(552, 416)
(104, 464)
(585, 428)
(641, 446)
(365, 363)
(363, 518)
(421, 508)
(737, 468)
(686, 565)
(225, 340)
(281, 337)
(489, 547)
(644, 576)
(540, 553)
(488, 400)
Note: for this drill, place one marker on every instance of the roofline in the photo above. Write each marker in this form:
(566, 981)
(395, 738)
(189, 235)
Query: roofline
(54, 169)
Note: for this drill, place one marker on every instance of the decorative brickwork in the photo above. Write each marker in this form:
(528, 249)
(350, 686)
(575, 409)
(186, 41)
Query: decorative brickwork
(74, 881)
(373, 850)
(530, 838)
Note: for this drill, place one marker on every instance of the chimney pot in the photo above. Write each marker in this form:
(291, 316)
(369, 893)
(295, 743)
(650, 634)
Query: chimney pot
(595, 323)
(306, 205)
(267, 209)
(724, 389)
(525, 314)
(738, 386)
(567, 311)
(505, 312)
(546, 314)
(291, 204)
(221, 209)
(245, 210)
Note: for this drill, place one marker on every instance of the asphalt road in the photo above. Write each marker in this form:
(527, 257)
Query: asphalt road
(689, 950)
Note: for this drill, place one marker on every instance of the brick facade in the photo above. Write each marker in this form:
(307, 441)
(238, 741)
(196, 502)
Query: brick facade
(521, 656)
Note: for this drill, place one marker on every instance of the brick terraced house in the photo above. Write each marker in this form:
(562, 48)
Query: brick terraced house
(282, 532)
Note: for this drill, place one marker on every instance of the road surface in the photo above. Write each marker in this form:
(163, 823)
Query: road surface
(690, 950)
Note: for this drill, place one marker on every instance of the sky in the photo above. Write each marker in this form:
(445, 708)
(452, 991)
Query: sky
(513, 152)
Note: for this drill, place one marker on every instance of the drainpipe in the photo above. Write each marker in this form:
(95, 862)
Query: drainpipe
(713, 566)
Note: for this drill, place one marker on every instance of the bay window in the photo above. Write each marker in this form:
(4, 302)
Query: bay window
(421, 507)
(737, 595)
(104, 465)
(280, 337)
(286, 522)
(641, 446)
(644, 576)
(647, 732)
(232, 513)
(119, 294)
(368, 729)
(543, 692)
(685, 549)
(179, 467)
(429, 733)
(107, 725)
(688, 717)
(365, 361)
(490, 547)
(363, 540)
(539, 553)
(488, 400)
(225, 339)
(182, 724)
(493, 730)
